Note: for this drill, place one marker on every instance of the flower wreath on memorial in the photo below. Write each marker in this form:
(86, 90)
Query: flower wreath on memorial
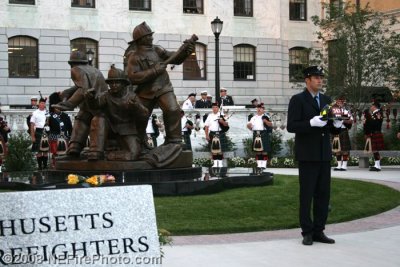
(94, 180)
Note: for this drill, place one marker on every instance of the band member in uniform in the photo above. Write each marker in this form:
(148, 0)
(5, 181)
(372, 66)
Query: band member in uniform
(203, 102)
(189, 102)
(261, 125)
(60, 129)
(152, 131)
(313, 152)
(4, 131)
(225, 100)
(341, 145)
(373, 130)
(215, 128)
(38, 128)
(187, 126)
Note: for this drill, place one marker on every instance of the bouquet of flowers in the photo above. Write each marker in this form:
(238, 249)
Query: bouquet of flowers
(94, 180)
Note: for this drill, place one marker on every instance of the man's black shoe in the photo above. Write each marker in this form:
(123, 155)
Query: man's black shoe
(321, 237)
(337, 169)
(374, 169)
(307, 240)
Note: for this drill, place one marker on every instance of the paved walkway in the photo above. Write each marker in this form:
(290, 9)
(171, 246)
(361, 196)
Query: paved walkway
(369, 242)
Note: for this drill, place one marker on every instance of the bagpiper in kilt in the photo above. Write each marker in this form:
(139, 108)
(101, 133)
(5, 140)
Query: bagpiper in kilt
(215, 128)
(40, 143)
(261, 126)
(341, 145)
(373, 133)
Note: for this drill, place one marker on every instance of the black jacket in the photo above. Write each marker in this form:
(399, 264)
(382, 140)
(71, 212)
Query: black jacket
(202, 104)
(228, 101)
(311, 143)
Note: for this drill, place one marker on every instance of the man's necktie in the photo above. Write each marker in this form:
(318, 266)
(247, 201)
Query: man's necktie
(317, 100)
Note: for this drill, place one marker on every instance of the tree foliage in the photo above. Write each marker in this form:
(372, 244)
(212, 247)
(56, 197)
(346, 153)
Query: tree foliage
(360, 49)
(19, 156)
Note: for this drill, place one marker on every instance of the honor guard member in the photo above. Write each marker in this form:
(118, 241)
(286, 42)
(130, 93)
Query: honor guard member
(225, 100)
(40, 143)
(313, 151)
(203, 102)
(152, 131)
(373, 133)
(261, 125)
(33, 105)
(215, 128)
(189, 102)
(187, 126)
(341, 145)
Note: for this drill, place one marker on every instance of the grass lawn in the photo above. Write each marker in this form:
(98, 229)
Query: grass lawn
(268, 207)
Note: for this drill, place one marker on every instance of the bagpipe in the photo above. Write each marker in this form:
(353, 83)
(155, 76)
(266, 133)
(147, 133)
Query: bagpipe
(223, 117)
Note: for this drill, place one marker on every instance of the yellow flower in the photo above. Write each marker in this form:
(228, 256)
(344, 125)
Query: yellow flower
(73, 179)
(92, 180)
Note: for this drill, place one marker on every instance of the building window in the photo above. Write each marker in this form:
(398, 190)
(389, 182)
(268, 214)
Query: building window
(83, 3)
(144, 5)
(24, 2)
(298, 61)
(193, 6)
(244, 64)
(243, 8)
(83, 45)
(194, 67)
(335, 8)
(298, 9)
(23, 57)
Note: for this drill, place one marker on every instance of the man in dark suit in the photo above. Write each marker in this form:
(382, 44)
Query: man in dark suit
(203, 102)
(227, 100)
(313, 152)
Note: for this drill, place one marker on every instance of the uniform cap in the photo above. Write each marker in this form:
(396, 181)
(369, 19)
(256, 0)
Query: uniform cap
(203, 92)
(313, 71)
(222, 89)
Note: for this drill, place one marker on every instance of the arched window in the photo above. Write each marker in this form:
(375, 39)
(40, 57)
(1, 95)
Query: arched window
(23, 57)
(84, 45)
(194, 67)
(298, 61)
(244, 63)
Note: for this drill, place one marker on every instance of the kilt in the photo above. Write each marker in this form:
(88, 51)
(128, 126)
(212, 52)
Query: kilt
(377, 142)
(345, 145)
(38, 139)
(187, 143)
(265, 139)
(222, 140)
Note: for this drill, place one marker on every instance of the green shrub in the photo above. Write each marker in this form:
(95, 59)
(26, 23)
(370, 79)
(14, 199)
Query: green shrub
(19, 156)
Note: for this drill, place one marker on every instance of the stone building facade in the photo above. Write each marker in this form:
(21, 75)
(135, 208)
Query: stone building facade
(270, 36)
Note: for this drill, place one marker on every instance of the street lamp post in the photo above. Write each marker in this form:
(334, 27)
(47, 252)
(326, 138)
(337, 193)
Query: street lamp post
(216, 26)
(90, 55)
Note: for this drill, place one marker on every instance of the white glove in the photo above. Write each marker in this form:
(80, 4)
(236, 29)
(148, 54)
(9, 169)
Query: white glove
(317, 122)
(46, 128)
(337, 123)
